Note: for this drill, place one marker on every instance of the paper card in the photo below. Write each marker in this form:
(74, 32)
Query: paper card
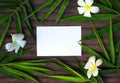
(58, 40)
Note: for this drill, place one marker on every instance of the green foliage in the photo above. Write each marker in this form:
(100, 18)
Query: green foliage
(5, 31)
(52, 8)
(95, 17)
(100, 42)
(112, 50)
(62, 9)
(102, 32)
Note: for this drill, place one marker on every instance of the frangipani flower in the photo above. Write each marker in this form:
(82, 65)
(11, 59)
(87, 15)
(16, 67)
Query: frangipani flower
(86, 7)
(92, 66)
(17, 42)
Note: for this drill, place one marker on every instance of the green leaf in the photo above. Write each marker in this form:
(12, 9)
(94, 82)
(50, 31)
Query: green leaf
(10, 1)
(118, 59)
(112, 50)
(52, 8)
(40, 60)
(28, 3)
(3, 54)
(116, 5)
(5, 31)
(4, 18)
(26, 67)
(19, 73)
(62, 9)
(94, 53)
(109, 71)
(18, 23)
(7, 7)
(100, 42)
(94, 17)
(81, 67)
(39, 8)
(106, 2)
(13, 56)
(27, 22)
(67, 68)
(69, 78)
(117, 46)
(106, 8)
(10, 74)
(99, 79)
(103, 31)
(30, 64)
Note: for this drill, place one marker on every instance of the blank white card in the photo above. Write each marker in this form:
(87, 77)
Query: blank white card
(58, 40)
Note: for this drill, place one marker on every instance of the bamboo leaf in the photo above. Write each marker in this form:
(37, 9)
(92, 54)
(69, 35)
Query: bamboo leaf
(100, 42)
(10, 74)
(27, 22)
(4, 18)
(25, 67)
(99, 79)
(67, 68)
(93, 52)
(106, 2)
(39, 8)
(62, 9)
(116, 5)
(18, 23)
(94, 17)
(3, 54)
(10, 1)
(109, 71)
(30, 64)
(28, 3)
(19, 73)
(13, 56)
(52, 8)
(112, 50)
(117, 46)
(118, 59)
(69, 78)
(81, 67)
(103, 31)
(7, 7)
(106, 8)
(5, 31)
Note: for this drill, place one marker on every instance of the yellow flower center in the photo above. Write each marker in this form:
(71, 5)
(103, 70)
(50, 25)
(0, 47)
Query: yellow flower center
(15, 42)
(94, 67)
(88, 7)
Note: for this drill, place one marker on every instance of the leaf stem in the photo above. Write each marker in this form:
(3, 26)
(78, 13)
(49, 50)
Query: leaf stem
(18, 7)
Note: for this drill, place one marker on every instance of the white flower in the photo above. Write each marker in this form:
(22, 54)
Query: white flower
(86, 7)
(92, 66)
(17, 42)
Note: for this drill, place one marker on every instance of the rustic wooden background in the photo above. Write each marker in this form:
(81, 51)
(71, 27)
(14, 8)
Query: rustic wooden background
(50, 21)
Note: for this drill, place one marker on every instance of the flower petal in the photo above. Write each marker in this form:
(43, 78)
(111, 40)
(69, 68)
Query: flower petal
(89, 2)
(89, 73)
(87, 14)
(92, 59)
(95, 73)
(10, 47)
(21, 43)
(98, 62)
(16, 37)
(88, 65)
(81, 10)
(81, 3)
(17, 47)
(94, 9)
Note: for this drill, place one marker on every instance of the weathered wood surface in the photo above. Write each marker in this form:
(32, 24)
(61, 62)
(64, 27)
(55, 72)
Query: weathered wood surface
(86, 29)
